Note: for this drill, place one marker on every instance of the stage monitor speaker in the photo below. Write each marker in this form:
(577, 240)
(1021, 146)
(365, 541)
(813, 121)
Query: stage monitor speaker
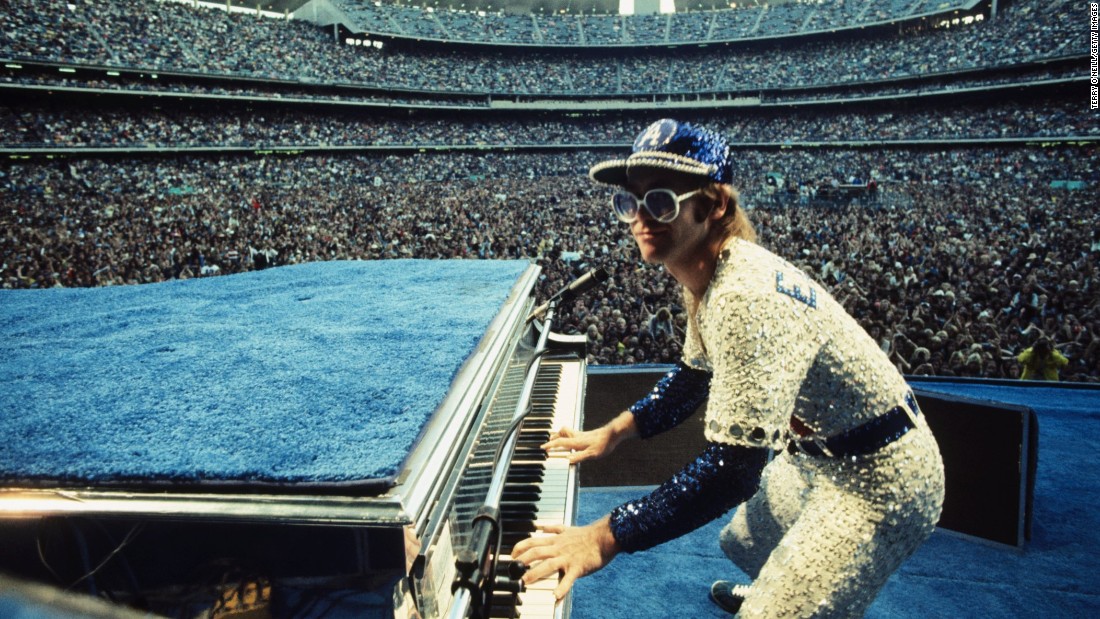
(990, 452)
(610, 391)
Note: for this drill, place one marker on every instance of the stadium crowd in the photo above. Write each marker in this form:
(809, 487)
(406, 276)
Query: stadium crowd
(219, 125)
(280, 92)
(961, 260)
(956, 260)
(595, 29)
(171, 37)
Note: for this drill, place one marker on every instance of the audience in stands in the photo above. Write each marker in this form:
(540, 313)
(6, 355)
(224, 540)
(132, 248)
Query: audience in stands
(166, 36)
(959, 261)
(205, 126)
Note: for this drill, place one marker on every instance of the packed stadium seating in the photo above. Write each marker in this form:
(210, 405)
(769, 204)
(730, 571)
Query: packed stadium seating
(131, 34)
(582, 30)
(149, 158)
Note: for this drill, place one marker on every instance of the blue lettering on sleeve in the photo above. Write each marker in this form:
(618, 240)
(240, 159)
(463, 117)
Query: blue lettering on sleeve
(795, 291)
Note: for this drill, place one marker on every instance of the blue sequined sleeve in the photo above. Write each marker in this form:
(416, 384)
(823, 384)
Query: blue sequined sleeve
(672, 400)
(722, 477)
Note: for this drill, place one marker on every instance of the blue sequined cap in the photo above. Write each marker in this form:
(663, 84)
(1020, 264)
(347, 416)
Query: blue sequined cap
(671, 145)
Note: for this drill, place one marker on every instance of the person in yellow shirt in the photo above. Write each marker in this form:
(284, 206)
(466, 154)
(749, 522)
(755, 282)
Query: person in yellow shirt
(1042, 361)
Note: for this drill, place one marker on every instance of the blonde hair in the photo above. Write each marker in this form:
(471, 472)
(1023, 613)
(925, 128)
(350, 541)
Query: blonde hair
(735, 222)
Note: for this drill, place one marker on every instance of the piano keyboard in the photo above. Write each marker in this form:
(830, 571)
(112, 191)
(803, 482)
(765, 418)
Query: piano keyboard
(541, 488)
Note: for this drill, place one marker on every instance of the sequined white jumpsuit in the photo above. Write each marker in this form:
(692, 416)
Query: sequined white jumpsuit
(822, 535)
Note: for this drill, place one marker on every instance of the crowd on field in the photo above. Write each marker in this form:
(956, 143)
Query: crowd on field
(957, 261)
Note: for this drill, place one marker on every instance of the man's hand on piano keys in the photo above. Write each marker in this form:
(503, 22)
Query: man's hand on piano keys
(568, 552)
(592, 444)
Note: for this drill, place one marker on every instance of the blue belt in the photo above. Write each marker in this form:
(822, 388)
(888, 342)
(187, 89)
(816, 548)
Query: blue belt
(865, 438)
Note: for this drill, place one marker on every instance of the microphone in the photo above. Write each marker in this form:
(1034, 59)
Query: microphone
(579, 286)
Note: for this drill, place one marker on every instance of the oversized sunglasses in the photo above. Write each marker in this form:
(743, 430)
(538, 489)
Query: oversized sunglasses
(661, 204)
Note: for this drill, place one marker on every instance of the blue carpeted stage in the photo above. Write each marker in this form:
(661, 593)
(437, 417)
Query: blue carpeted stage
(950, 577)
(93, 394)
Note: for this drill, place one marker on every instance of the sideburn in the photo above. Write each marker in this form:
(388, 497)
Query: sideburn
(713, 194)
(735, 222)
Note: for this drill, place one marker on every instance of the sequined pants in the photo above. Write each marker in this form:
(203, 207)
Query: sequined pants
(821, 536)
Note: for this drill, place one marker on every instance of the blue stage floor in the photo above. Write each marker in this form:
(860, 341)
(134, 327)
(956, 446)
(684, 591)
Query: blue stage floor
(950, 577)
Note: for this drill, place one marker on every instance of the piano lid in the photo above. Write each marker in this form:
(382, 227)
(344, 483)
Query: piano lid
(327, 391)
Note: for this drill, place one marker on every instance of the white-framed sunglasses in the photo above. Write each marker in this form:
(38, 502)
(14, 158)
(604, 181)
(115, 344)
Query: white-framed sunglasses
(661, 204)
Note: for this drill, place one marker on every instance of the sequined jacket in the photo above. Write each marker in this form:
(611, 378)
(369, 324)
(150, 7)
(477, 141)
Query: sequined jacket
(774, 351)
(778, 345)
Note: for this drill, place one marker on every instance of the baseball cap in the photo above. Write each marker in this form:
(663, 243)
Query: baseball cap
(672, 145)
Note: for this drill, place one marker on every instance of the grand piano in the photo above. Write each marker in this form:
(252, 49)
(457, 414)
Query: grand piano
(424, 536)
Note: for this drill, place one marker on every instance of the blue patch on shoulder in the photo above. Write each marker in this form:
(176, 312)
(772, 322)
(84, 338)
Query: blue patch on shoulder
(795, 291)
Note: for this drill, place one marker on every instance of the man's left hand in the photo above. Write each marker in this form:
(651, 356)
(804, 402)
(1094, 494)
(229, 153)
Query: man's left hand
(571, 551)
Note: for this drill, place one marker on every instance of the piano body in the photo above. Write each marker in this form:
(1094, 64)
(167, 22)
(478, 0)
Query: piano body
(370, 548)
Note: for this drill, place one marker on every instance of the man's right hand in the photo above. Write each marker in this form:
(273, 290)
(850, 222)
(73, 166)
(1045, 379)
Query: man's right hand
(592, 444)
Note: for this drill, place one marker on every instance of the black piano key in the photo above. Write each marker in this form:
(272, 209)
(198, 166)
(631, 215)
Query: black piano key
(537, 437)
(509, 539)
(511, 509)
(532, 468)
(504, 608)
(516, 526)
(519, 494)
(517, 519)
(525, 471)
(517, 512)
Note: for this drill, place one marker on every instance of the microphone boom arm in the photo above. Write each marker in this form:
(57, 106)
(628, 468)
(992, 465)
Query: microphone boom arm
(579, 286)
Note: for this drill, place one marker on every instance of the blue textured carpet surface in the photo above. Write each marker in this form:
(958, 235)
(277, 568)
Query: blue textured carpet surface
(14, 606)
(949, 577)
(314, 373)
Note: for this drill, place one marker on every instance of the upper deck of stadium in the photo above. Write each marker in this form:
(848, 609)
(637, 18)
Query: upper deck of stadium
(691, 23)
